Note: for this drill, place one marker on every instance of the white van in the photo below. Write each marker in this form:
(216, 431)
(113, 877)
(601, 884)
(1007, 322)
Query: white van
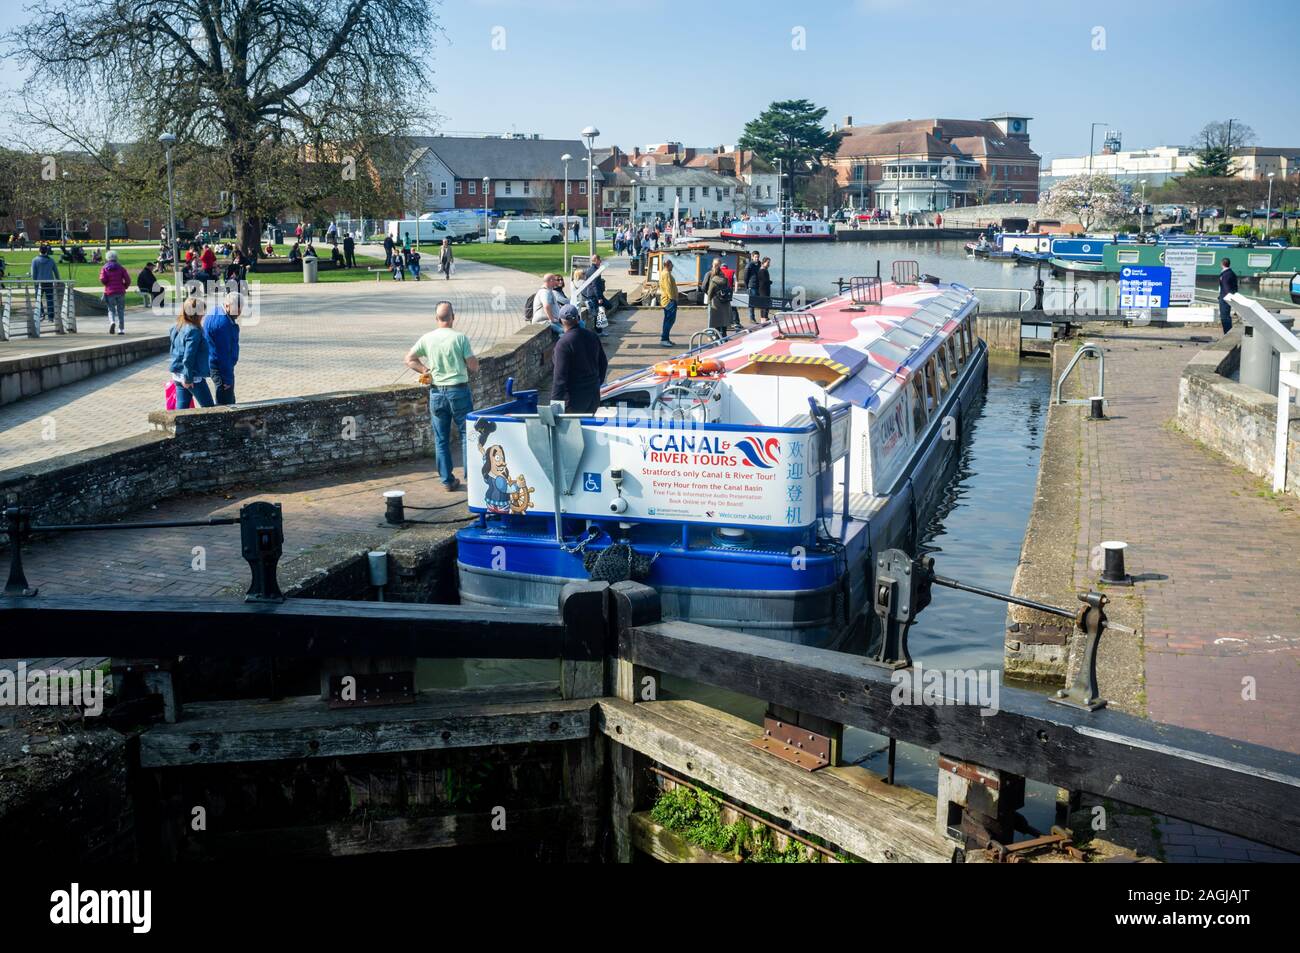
(463, 225)
(512, 231)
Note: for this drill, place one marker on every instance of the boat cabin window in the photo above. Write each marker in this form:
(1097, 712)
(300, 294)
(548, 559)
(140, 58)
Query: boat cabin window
(632, 399)
(937, 377)
(919, 415)
(952, 358)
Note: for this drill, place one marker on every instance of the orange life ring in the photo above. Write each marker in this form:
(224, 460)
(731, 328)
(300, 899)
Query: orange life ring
(688, 367)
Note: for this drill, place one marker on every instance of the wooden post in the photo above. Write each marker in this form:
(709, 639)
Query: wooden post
(633, 604)
(977, 804)
(584, 607)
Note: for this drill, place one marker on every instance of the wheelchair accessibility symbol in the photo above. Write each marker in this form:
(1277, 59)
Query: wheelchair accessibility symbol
(591, 482)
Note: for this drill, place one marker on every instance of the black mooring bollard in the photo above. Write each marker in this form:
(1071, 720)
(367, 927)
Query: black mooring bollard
(1098, 410)
(1113, 571)
(394, 510)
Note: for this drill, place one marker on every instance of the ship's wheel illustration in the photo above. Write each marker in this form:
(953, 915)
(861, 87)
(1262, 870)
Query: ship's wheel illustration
(522, 498)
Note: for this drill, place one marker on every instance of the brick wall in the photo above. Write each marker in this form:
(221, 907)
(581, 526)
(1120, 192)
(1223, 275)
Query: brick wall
(1232, 419)
(261, 443)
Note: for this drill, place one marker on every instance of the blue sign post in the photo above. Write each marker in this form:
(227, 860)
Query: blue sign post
(1143, 287)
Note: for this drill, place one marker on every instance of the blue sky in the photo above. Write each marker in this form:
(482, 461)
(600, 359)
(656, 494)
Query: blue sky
(682, 70)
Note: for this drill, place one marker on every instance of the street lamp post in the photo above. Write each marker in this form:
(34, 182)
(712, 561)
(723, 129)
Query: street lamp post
(783, 213)
(486, 183)
(168, 139)
(63, 200)
(1268, 209)
(566, 159)
(590, 134)
(1142, 222)
(1092, 132)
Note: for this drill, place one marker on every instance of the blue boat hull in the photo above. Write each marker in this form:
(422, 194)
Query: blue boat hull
(774, 586)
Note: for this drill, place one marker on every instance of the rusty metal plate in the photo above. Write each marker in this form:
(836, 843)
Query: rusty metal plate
(799, 746)
(381, 688)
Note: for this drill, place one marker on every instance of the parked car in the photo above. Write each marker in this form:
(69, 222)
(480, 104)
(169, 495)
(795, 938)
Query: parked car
(513, 231)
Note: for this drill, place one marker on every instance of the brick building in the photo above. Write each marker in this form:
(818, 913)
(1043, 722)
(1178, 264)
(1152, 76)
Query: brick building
(526, 174)
(919, 165)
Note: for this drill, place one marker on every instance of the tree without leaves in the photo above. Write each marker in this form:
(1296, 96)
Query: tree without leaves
(792, 131)
(280, 102)
(1216, 142)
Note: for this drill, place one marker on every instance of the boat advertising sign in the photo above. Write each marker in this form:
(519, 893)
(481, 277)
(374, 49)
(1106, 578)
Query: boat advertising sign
(706, 474)
(1142, 287)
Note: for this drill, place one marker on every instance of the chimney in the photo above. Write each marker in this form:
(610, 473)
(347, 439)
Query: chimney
(848, 120)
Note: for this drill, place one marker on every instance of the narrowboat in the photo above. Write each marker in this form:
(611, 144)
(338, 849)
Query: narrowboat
(767, 228)
(750, 479)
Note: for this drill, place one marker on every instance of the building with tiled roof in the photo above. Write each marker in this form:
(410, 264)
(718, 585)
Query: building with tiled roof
(923, 165)
(525, 174)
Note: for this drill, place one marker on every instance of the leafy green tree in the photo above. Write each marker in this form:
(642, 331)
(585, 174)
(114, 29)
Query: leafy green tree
(790, 130)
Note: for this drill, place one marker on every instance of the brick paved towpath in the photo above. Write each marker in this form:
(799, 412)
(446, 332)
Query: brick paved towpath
(1214, 552)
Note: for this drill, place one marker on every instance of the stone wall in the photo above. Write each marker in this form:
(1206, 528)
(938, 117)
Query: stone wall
(1232, 419)
(23, 376)
(262, 442)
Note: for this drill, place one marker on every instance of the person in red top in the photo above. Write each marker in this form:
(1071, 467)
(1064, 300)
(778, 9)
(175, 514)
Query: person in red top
(938, 220)
(730, 275)
(115, 280)
(209, 259)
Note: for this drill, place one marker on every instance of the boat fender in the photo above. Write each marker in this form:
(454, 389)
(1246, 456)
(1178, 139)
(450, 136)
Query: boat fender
(617, 562)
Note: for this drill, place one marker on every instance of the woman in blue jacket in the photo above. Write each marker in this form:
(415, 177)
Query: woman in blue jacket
(190, 367)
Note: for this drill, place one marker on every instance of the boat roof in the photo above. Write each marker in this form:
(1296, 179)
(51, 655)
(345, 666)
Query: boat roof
(877, 347)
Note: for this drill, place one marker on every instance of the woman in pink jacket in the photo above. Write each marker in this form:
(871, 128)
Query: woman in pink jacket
(115, 280)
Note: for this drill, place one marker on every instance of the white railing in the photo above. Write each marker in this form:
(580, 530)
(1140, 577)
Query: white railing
(1288, 380)
(59, 310)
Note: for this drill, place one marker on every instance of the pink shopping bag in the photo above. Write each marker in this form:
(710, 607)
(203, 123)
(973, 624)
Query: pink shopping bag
(169, 393)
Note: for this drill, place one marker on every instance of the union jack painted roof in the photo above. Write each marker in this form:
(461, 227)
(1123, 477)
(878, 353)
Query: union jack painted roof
(877, 346)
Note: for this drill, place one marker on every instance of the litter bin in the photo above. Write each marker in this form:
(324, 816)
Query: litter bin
(279, 237)
(309, 271)
(634, 266)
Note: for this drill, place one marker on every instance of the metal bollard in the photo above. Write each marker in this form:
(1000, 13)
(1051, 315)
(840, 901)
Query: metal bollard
(1113, 571)
(394, 511)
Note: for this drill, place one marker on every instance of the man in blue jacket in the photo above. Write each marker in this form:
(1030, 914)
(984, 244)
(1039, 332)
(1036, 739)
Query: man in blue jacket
(221, 328)
(46, 271)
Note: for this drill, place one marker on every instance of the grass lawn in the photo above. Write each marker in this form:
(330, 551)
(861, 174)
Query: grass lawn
(133, 257)
(535, 259)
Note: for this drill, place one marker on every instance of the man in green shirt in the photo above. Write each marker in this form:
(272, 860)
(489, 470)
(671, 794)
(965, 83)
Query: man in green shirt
(444, 355)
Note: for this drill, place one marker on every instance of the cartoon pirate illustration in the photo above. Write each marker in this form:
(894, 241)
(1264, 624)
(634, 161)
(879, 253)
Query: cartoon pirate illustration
(503, 494)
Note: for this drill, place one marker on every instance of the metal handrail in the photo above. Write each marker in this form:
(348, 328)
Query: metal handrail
(1096, 351)
(1023, 292)
(64, 316)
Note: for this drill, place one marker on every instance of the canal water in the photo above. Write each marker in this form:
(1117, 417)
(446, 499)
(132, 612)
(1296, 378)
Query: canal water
(815, 266)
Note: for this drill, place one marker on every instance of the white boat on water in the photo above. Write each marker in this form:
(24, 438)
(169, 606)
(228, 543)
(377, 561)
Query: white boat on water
(750, 481)
(767, 228)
